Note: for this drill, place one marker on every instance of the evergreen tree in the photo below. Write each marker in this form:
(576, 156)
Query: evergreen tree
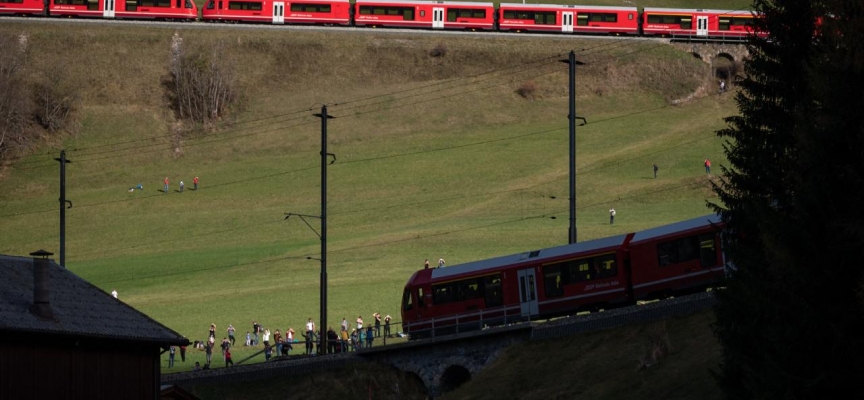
(790, 319)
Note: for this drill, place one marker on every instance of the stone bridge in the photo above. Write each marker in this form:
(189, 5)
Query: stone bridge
(724, 58)
(444, 363)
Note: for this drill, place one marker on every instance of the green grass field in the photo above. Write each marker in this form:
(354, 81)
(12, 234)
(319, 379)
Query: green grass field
(436, 157)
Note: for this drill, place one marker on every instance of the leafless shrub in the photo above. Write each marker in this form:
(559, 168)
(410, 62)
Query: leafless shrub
(439, 50)
(14, 110)
(56, 98)
(527, 90)
(658, 345)
(202, 84)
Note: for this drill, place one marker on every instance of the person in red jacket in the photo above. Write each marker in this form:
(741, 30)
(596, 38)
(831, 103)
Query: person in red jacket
(166, 184)
(708, 166)
(228, 359)
(195, 183)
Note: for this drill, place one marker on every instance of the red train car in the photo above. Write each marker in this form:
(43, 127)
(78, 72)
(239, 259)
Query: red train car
(129, 9)
(568, 18)
(22, 7)
(324, 12)
(425, 14)
(603, 273)
(730, 25)
(675, 259)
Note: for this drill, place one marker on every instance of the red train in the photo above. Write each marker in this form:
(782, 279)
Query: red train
(184, 10)
(685, 24)
(321, 12)
(680, 258)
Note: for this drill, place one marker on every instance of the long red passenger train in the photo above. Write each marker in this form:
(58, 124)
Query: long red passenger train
(680, 258)
(684, 24)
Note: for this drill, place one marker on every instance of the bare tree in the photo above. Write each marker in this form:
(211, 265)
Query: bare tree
(203, 83)
(55, 98)
(13, 112)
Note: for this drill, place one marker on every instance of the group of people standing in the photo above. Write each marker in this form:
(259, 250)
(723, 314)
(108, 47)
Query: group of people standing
(167, 184)
(281, 344)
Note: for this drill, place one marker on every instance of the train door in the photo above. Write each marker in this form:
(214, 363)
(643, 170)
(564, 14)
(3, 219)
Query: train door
(437, 17)
(108, 12)
(278, 12)
(528, 292)
(701, 25)
(567, 21)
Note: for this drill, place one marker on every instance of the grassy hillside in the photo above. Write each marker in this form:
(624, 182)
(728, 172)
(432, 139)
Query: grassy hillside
(436, 157)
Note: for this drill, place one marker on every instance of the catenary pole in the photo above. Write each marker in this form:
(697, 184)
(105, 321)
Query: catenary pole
(572, 117)
(63, 161)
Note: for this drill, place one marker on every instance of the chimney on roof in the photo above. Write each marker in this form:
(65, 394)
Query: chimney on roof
(41, 285)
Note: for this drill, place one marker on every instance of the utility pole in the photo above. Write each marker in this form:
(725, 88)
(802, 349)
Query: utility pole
(63, 201)
(323, 327)
(322, 323)
(572, 118)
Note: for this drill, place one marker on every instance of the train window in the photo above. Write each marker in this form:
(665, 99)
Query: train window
(211, 4)
(71, 2)
(469, 289)
(155, 3)
(544, 18)
(244, 5)
(581, 20)
(188, 4)
(630, 16)
(584, 18)
(552, 280)
(653, 19)
(492, 288)
(707, 250)
(445, 293)
(454, 13)
(605, 266)
(305, 7)
(421, 300)
(407, 300)
(408, 14)
(14, 1)
(724, 24)
(686, 23)
(518, 15)
(678, 251)
(742, 21)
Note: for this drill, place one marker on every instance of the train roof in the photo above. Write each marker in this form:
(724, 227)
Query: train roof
(443, 3)
(557, 6)
(678, 227)
(529, 256)
(692, 10)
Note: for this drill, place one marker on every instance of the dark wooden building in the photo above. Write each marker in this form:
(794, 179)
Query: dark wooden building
(63, 338)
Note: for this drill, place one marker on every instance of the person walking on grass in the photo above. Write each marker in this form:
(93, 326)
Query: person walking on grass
(655, 170)
(166, 185)
(228, 360)
(611, 215)
(195, 183)
(707, 166)
(231, 334)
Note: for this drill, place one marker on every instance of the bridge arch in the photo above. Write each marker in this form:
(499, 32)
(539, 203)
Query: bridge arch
(453, 377)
